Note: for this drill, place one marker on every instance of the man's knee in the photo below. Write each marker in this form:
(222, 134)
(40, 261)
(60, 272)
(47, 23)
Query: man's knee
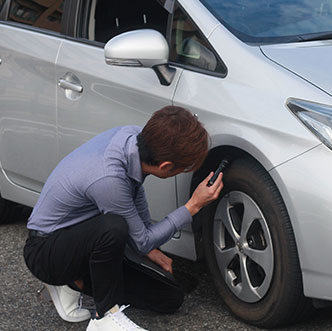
(171, 302)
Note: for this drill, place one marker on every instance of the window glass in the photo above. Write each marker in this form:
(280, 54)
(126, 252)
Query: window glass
(107, 18)
(44, 14)
(189, 47)
(273, 21)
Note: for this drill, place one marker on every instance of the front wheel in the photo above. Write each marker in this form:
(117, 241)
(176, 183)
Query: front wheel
(251, 251)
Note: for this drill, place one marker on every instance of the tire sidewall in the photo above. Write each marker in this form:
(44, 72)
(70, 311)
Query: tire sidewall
(247, 177)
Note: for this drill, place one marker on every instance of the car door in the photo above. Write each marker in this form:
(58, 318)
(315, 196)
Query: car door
(93, 96)
(29, 43)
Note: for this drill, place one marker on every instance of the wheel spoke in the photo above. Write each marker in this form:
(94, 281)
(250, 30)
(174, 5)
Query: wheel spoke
(248, 292)
(230, 228)
(251, 213)
(224, 257)
(263, 258)
(223, 215)
(217, 233)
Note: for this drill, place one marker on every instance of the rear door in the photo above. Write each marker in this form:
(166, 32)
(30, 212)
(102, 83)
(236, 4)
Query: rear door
(29, 44)
(93, 96)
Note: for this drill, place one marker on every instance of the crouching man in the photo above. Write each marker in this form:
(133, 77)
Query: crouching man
(93, 204)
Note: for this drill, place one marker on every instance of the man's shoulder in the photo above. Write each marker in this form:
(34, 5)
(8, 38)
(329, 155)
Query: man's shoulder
(119, 140)
(128, 130)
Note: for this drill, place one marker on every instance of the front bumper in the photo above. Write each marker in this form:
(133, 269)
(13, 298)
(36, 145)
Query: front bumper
(305, 183)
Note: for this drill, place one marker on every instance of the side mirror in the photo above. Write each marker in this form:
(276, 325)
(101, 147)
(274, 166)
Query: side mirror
(141, 48)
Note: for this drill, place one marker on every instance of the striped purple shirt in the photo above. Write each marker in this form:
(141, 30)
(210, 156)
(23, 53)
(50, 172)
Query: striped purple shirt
(104, 176)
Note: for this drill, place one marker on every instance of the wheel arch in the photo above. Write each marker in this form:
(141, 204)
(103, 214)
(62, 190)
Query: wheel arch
(214, 157)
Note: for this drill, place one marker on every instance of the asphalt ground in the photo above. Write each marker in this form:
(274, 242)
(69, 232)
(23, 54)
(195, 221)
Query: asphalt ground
(23, 309)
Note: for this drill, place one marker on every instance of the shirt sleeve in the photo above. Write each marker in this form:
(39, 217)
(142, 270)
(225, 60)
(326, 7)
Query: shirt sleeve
(142, 206)
(114, 195)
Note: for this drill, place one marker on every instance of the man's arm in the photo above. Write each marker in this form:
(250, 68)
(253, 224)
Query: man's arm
(204, 194)
(114, 195)
(142, 206)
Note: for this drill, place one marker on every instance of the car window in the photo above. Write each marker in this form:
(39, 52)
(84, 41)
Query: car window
(107, 19)
(45, 14)
(189, 47)
(273, 21)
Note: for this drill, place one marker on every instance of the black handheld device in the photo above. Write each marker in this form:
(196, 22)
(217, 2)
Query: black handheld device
(225, 163)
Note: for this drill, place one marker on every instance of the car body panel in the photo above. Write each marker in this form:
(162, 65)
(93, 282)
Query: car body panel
(112, 96)
(315, 54)
(28, 113)
(309, 206)
(269, 131)
(249, 115)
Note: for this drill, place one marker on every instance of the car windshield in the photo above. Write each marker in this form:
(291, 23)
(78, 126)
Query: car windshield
(274, 21)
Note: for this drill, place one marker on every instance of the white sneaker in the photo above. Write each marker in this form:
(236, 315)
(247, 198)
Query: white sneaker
(113, 320)
(68, 303)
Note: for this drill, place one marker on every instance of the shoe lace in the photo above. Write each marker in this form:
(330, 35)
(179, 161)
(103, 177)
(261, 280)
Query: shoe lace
(123, 320)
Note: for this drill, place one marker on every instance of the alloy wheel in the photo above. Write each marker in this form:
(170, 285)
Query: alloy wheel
(243, 247)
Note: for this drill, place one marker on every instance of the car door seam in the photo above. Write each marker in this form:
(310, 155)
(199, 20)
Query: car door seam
(176, 85)
(56, 100)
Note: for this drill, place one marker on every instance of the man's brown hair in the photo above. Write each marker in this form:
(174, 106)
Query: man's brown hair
(173, 134)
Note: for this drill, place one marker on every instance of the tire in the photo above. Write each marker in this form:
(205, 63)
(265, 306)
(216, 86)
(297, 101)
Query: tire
(250, 249)
(7, 211)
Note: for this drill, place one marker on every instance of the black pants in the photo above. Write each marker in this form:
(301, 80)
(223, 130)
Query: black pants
(93, 251)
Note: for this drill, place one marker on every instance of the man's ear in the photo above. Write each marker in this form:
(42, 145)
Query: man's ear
(166, 166)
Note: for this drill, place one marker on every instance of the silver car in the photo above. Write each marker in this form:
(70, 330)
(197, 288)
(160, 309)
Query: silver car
(257, 73)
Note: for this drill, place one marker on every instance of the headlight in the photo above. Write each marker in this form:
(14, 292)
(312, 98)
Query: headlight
(315, 116)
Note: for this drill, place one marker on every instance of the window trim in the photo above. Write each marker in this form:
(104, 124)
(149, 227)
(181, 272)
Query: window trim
(72, 26)
(71, 31)
(32, 28)
(5, 10)
(198, 70)
(82, 13)
(84, 4)
(86, 41)
(68, 25)
(190, 67)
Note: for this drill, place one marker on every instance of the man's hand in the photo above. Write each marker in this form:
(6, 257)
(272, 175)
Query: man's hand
(161, 259)
(204, 194)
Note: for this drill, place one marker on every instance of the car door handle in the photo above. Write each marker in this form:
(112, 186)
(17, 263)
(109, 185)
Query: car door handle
(70, 86)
